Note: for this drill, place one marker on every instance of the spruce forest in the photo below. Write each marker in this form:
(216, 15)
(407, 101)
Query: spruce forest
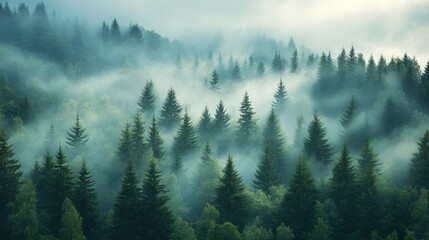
(110, 130)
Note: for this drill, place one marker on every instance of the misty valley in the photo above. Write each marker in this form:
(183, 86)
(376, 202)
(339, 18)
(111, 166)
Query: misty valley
(117, 132)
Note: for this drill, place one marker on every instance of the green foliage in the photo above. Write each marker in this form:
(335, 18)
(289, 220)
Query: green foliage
(214, 81)
(156, 220)
(277, 64)
(147, 99)
(316, 144)
(208, 221)
(294, 62)
(420, 214)
(125, 152)
(266, 174)
(186, 140)
(247, 127)
(182, 230)
(9, 181)
(176, 202)
(71, 223)
(205, 126)
(138, 142)
(260, 69)
(115, 32)
(230, 198)
(284, 233)
(280, 96)
(126, 217)
(424, 89)
(155, 141)
(298, 206)
(171, 111)
(368, 159)
(226, 231)
(420, 163)
(221, 120)
(23, 220)
(321, 231)
(350, 114)
(255, 232)
(76, 136)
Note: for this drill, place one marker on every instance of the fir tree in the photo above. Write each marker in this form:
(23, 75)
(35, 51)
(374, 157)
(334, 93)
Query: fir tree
(186, 140)
(298, 205)
(326, 76)
(368, 159)
(277, 64)
(155, 141)
(321, 231)
(420, 163)
(156, 221)
(351, 76)
(206, 180)
(236, 72)
(371, 73)
(62, 187)
(138, 141)
(105, 32)
(86, 203)
(125, 152)
(126, 214)
(230, 199)
(381, 67)
(214, 81)
(344, 191)
(135, 33)
(246, 123)
(294, 62)
(266, 174)
(274, 140)
(205, 125)
(115, 32)
(147, 99)
(71, 223)
(280, 96)
(424, 89)
(76, 137)
(23, 221)
(342, 68)
(182, 230)
(316, 145)
(350, 114)
(9, 181)
(171, 111)
(221, 120)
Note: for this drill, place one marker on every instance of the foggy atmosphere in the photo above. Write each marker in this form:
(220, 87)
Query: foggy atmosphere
(276, 119)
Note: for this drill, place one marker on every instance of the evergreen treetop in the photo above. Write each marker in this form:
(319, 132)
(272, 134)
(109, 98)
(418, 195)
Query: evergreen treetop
(214, 81)
(76, 136)
(368, 159)
(71, 223)
(221, 119)
(147, 98)
(155, 141)
(205, 125)
(350, 114)
(280, 96)
(316, 144)
(266, 175)
(294, 62)
(420, 163)
(186, 140)
(246, 123)
(171, 111)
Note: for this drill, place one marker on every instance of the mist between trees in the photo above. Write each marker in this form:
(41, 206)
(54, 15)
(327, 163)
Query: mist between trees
(121, 133)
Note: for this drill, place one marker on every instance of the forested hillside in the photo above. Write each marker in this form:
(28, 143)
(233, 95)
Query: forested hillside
(117, 132)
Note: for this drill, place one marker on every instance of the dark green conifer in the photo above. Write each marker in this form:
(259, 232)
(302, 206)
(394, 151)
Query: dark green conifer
(10, 173)
(76, 137)
(424, 89)
(125, 152)
(139, 145)
(368, 159)
(155, 141)
(277, 64)
(236, 72)
(115, 32)
(186, 140)
(156, 221)
(246, 123)
(350, 114)
(147, 99)
(420, 163)
(316, 144)
(266, 175)
(230, 199)
(294, 62)
(171, 111)
(280, 96)
(221, 120)
(214, 81)
(205, 126)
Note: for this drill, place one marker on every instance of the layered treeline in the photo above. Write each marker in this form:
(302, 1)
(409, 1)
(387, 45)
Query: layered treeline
(158, 199)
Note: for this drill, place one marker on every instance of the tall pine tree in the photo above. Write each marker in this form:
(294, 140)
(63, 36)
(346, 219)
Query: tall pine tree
(76, 136)
(125, 152)
(214, 81)
(298, 205)
(221, 120)
(350, 114)
(230, 199)
(424, 89)
(294, 62)
(186, 140)
(71, 223)
(155, 141)
(147, 99)
(280, 96)
(246, 123)
(156, 220)
(139, 145)
(368, 159)
(171, 111)
(316, 144)
(9, 181)
(420, 163)
(205, 125)
(266, 174)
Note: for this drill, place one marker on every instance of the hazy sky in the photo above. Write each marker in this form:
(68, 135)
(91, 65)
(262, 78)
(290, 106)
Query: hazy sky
(391, 27)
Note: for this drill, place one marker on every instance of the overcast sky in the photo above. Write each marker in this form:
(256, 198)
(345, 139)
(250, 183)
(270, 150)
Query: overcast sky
(391, 27)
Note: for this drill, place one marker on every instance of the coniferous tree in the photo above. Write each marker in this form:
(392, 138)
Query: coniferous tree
(9, 181)
(246, 123)
(115, 32)
(126, 213)
(177, 166)
(186, 140)
(372, 74)
(277, 64)
(71, 223)
(62, 187)
(236, 72)
(147, 99)
(381, 67)
(266, 174)
(76, 137)
(280, 96)
(135, 33)
(316, 144)
(105, 32)
(155, 141)
(424, 89)
(273, 139)
(368, 159)
(350, 114)
(230, 199)
(205, 126)
(125, 152)
(420, 163)
(171, 111)
(23, 220)
(86, 203)
(351, 76)
(156, 221)
(342, 68)
(344, 191)
(182, 230)
(214, 81)
(294, 62)
(326, 76)
(284, 232)
(221, 120)
(206, 180)
(298, 205)
(321, 231)
(139, 145)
